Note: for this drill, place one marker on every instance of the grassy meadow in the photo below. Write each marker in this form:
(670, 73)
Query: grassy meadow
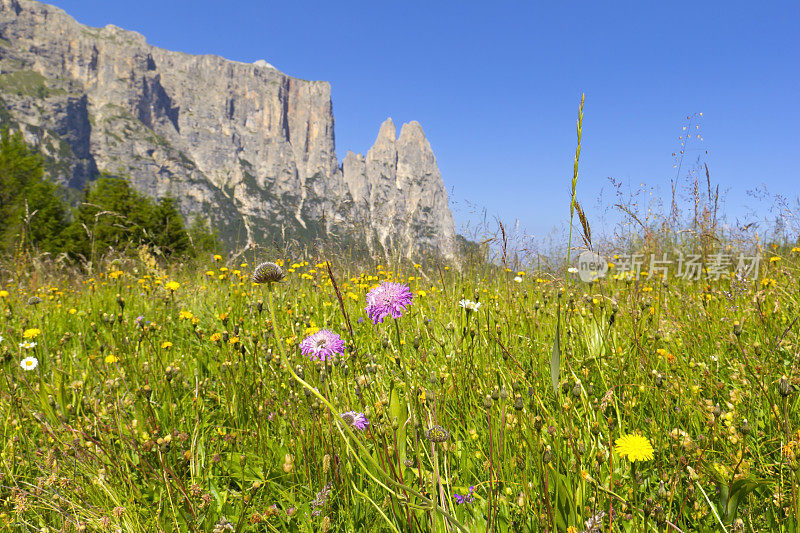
(167, 398)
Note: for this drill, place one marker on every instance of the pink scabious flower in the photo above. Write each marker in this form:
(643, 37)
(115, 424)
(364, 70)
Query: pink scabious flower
(322, 345)
(355, 419)
(387, 299)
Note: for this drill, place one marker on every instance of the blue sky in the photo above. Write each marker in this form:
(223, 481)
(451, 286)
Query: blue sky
(496, 87)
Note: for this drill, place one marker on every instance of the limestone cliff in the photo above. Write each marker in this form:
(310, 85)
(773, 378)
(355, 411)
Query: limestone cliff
(244, 145)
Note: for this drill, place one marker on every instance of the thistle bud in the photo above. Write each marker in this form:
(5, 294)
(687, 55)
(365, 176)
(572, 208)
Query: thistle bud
(785, 387)
(267, 273)
(576, 390)
(547, 455)
(744, 427)
(487, 402)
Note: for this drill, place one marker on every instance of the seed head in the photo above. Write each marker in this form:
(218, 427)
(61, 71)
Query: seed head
(437, 434)
(267, 273)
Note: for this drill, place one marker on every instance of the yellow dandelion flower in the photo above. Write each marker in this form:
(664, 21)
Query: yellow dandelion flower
(186, 315)
(634, 447)
(31, 333)
(166, 344)
(217, 257)
(215, 337)
(111, 358)
(3, 294)
(172, 285)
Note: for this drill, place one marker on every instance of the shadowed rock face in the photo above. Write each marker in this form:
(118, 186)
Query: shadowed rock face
(241, 144)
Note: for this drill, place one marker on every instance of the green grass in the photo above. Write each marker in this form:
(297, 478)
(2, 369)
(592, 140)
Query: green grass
(190, 414)
(27, 83)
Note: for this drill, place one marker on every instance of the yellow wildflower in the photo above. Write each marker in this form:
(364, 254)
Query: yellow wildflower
(31, 333)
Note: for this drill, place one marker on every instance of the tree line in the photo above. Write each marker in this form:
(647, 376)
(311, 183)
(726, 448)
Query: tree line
(111, 215)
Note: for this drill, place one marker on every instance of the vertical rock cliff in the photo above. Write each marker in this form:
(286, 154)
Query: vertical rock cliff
(243, 145)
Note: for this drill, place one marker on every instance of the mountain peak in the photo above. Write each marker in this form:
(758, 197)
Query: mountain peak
(246, 146)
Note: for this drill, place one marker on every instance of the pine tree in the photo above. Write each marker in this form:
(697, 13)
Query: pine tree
(112, 215)
(166, 228)
(203, 237)
(31, 208)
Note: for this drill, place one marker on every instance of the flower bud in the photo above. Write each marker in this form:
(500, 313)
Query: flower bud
(487, 402)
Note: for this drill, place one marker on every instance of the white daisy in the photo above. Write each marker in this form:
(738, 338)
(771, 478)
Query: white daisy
(29, 363)
(469, 305)
(518, 279)
(28, 345)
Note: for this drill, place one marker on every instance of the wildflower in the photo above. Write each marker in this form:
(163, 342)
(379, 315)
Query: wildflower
(355, 419)
(172, 285)
(186, 315)
(215, 337)
(518, 279)
(386, 299)
(595, 523)
(29, 363)
(572, 270)
(267, 273)
(321, 499)
(217, 257)
(634, 447)
(111, 359)
(469, 305)
(31, 333)
(322, 345)
(437, 434)
(166, 344)
(4, 294)
(28, 345)
(467, 498)
(222, 526)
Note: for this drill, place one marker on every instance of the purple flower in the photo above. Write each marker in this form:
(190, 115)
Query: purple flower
(322, 345)
(355, 419)
(468, 498)
(387, 299)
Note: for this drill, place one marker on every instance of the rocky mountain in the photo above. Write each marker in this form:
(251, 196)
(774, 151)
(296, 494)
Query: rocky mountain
(243, 145)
